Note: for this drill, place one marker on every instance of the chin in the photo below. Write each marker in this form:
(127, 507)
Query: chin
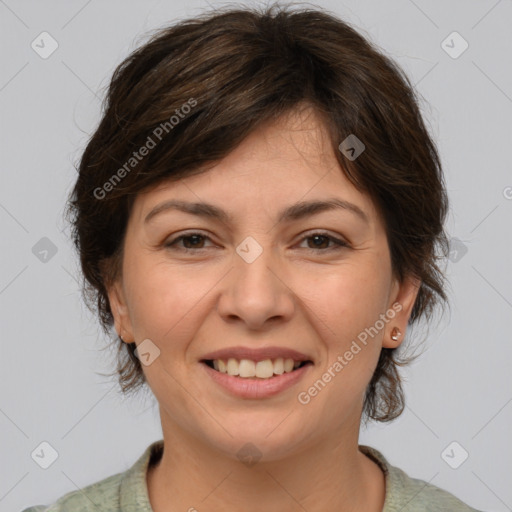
(266, 437)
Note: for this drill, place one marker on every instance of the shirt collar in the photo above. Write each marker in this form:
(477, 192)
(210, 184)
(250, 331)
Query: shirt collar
(134, 496)
(392, 476)
(133, 491)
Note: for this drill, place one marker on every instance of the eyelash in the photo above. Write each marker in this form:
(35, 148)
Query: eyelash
(338, 244)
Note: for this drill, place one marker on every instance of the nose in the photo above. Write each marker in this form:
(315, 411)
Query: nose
(256, 293)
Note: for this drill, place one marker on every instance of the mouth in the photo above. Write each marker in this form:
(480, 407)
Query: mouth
(251, 369)
(256, 373)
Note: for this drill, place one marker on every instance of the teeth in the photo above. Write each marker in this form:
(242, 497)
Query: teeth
(232, 367)
(279, 366)
(288, 365)
(264, 369)
(246, 368)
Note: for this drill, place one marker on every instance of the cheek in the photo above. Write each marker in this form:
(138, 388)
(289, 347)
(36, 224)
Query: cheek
(348, 309)
(165, 300)
(155, 297)
(351, 300)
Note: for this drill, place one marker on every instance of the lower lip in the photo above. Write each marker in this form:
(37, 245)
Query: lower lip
(256, 388)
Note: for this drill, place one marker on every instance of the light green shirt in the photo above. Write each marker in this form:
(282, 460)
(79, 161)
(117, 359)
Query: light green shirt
(128, 492)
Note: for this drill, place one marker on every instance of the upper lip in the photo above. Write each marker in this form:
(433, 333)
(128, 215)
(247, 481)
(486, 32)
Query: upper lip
(256, 354)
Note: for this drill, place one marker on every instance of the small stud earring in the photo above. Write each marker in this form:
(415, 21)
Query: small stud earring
(395, 333)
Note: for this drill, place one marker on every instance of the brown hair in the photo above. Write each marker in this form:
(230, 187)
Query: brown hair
(237, 68)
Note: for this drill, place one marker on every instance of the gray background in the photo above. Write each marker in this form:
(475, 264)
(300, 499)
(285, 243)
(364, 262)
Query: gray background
(459, 390)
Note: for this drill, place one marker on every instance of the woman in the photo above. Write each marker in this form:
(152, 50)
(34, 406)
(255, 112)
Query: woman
(260, 216)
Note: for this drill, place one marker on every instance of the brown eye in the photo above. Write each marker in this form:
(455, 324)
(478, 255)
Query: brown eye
(321, 241)
(193, 241)
(188, 242)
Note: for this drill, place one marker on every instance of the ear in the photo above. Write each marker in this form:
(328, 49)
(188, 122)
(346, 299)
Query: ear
(119, 308)
(402, 301)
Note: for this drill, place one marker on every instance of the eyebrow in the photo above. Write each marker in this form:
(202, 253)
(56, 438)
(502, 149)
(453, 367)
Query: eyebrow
(291, 213)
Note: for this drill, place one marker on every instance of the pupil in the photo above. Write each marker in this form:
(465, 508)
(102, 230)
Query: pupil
(317, 238)
(194, 238)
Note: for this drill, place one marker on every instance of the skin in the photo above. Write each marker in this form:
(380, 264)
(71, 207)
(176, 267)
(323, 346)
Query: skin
(294, 295)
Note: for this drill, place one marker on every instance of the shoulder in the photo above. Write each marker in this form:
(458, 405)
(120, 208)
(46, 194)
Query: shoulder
(407, 494)
(102, 495)
(414, 495)
(122, 491)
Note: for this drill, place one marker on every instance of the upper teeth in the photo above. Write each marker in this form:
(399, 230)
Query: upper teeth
(262, 369)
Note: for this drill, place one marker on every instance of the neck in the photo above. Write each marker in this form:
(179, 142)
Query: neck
(324, 476)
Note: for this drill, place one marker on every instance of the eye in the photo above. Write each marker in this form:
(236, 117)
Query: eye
(191, 242)
(321, 239)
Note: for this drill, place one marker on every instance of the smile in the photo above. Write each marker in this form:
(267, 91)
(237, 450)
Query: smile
(255, 373)
(247, 368)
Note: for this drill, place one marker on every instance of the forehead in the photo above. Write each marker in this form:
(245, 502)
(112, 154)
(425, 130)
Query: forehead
(281, 162)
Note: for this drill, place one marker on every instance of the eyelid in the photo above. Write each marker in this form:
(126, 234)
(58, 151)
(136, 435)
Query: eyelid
(186, 234)
(337, 241)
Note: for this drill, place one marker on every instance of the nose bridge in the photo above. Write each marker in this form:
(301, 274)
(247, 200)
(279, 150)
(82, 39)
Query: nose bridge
(253, 264)
(254, 291)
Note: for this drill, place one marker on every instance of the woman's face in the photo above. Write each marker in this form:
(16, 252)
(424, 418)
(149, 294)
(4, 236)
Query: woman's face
(258, 276)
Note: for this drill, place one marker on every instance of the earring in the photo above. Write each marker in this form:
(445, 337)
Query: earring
(395, 333)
